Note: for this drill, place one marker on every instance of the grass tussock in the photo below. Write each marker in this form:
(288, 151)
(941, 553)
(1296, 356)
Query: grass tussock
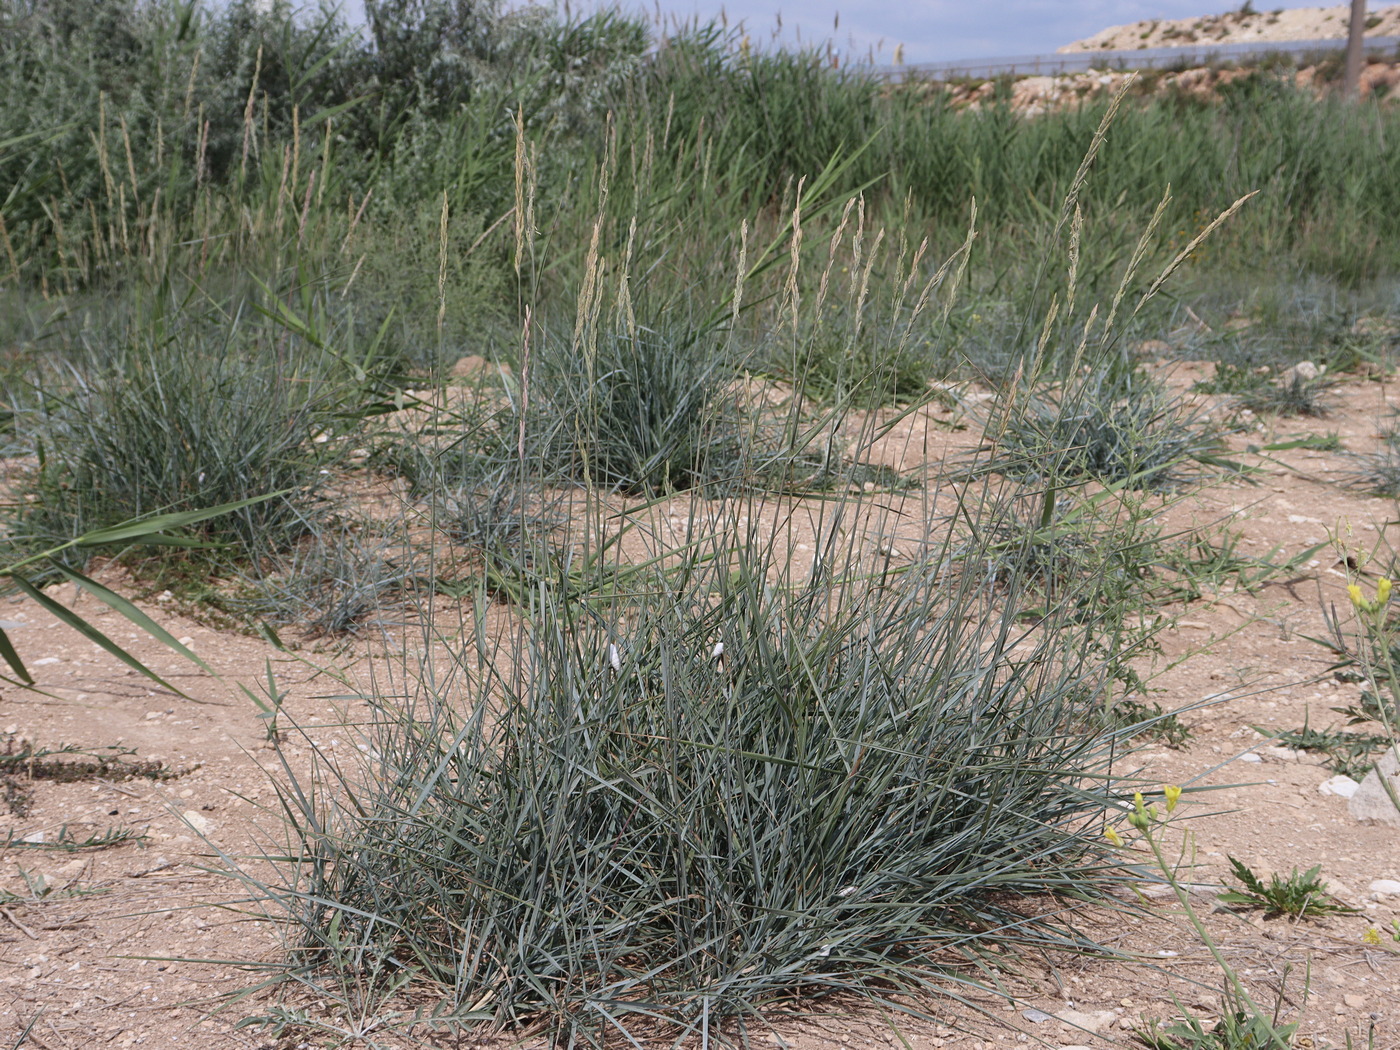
(740, 784)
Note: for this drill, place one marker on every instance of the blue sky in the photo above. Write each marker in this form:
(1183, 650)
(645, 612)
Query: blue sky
(931, 30)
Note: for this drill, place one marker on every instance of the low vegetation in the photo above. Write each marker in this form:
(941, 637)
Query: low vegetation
(594, 340)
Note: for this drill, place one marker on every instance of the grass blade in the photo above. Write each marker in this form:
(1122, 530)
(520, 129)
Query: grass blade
(92, 634)
(115, 601)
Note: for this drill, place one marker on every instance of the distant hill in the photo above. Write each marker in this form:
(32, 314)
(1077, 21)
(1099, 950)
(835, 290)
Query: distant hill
(1241, 26)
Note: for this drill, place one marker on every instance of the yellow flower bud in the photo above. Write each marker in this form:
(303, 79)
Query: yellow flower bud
(1141, 816)
(1173, 795)
(1383, 591)
(1356, 598)
(1115, 838)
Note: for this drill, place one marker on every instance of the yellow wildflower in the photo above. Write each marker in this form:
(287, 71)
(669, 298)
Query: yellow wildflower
(1117, 840)
(1356, 597)
(1383, 591)
(1372, 936)
(1173, 796)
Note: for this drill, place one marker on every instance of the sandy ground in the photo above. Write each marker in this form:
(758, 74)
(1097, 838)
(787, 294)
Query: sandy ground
(133, 945)
(1234, 27)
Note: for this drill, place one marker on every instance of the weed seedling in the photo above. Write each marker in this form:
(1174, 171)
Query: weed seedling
(269, 705)
(1328, 442)
(1350, 754)
(67, 842)
(1154, 721)
(1300, 895)
(1239, 1028)
(1297, 395)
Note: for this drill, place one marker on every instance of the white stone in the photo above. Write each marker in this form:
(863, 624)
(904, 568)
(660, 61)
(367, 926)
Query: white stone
(1250, 756)
(202, 825)
(1385, 888)
(1303, 371)
(1341, 891)
(1089, 1020)
(1341, 785)
(1372, 802)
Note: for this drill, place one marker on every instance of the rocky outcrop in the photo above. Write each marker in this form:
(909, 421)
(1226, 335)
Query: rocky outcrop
(1241, 26)
(1034, 95)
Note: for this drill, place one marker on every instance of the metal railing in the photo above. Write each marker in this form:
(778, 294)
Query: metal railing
(1142, 58)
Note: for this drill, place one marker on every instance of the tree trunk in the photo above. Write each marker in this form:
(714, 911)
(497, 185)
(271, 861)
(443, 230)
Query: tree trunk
(1355, 40)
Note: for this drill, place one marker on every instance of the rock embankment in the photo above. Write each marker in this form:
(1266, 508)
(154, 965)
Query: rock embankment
(1241, 26)
(1032, 96)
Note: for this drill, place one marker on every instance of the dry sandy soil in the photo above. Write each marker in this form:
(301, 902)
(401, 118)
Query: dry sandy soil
(1035, 95)
(1235, 27)
(115, 950)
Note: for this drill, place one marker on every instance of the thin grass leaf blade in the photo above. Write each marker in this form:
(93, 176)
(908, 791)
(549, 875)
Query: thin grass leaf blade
(137, 531)
(7, 651)
(92, 634)
(116, 602)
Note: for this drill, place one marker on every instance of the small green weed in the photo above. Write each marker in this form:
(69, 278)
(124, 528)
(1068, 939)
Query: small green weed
(1240, 1027)
(1371, 706)
(866, 374)
(1232, 378)
(1125, 431)
(1350, 754)
(1329, 442)
(1200, 562)
(38, 887)
(1151, 721)
(1293, 394)
(66, 841)
(268, 700)
(1289, 392)
(1301, 895)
